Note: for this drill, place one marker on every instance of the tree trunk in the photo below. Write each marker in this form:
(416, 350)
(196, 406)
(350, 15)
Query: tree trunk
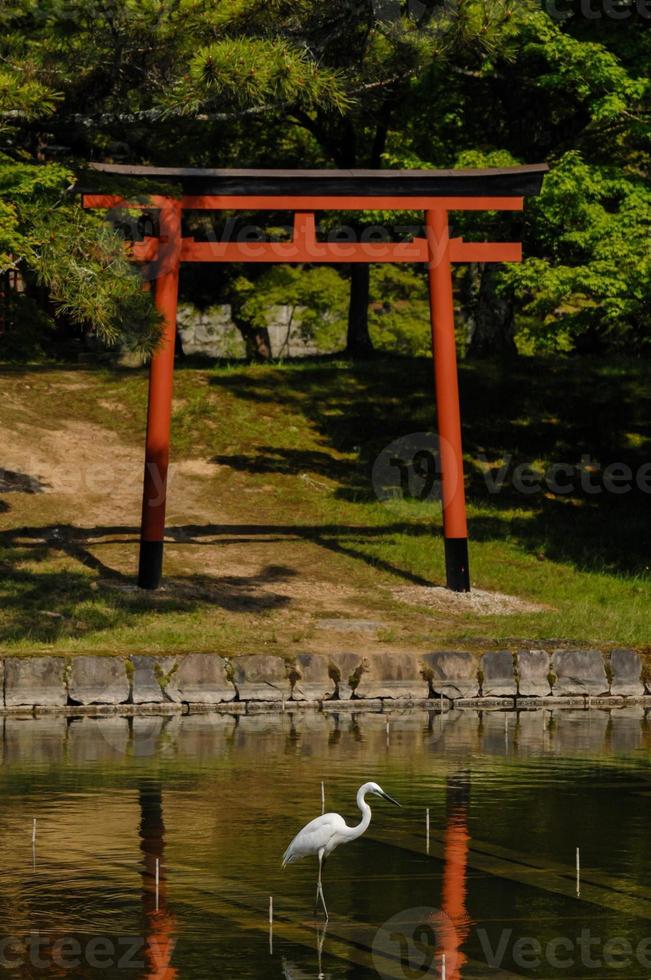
(256, 339)
(258, 344)
(492, 320)
(179, 353)
(358, 341)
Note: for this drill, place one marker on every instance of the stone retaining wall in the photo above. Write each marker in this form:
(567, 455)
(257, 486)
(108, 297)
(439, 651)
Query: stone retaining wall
(528, 678)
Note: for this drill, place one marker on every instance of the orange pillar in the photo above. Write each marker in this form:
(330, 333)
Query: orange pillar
(159, 409)
(455, 529)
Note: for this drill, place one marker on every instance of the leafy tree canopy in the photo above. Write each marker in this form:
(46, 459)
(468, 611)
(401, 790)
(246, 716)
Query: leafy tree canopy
(351, 83)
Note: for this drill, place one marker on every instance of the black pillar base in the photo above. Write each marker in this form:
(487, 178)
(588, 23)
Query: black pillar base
(456, 564)
(150, 568)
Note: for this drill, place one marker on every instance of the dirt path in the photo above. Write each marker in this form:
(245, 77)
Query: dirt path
(77, 488)
(71, 489)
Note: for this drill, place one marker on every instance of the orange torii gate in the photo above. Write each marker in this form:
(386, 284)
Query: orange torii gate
(304, 192)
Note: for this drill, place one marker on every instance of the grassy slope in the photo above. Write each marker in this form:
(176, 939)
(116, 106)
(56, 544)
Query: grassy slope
(279, 526)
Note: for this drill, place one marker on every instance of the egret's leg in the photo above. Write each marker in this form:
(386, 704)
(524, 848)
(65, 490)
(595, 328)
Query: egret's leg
(320, 886)
(316, 899)
(318, 883)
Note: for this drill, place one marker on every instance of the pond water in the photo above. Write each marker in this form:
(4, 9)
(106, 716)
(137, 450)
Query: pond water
(215, 799)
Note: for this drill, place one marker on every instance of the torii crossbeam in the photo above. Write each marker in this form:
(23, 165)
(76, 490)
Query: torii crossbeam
(305, 192)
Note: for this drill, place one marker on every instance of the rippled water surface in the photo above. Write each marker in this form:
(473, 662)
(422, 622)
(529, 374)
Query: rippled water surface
(215, 799)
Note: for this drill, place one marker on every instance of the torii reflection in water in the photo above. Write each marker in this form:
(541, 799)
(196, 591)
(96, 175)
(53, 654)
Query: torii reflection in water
(455, 923)
(160, 923)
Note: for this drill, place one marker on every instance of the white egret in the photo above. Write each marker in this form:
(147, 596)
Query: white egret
(323, 834)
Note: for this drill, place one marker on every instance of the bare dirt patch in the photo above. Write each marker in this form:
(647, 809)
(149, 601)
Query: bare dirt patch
(479, 602)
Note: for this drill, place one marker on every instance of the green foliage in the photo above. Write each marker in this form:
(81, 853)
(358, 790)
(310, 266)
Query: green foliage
(592, 276)
(22, 97)
(82, 262)
(316, 297)
(305, 83)
(399, 312)
(74, 254)
(587, 72)
(249, 71)
(25, 189)
(584, 106)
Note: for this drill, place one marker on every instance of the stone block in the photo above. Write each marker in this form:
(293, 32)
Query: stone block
(392, 675)
(484, 704)
(626, 668)
(230, 708)
(568, 701)
(35, 680)
(533, 673)
(498, 674)
(254, 707)
(451, 674)
(154, 680)
(98, 680)
(260, 677)
(352, 706)
(201, 678)
(579, 672)
(313, 681)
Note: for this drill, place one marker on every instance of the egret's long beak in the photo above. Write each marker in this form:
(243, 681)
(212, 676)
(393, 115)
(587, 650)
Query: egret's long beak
(390, 798)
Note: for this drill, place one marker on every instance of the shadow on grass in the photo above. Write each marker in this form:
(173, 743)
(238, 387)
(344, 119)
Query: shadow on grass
(13, 482)
(575, 412)
(42, 604)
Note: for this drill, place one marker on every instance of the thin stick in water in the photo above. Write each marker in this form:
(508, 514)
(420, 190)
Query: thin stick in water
(271, 910)
(157, 882)
(578, 871)
(34, 831)
(443, 969)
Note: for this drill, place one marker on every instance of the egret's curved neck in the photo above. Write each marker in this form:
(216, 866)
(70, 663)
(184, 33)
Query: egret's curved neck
(359, 829)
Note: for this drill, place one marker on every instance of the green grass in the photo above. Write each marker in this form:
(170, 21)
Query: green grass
(291, 449)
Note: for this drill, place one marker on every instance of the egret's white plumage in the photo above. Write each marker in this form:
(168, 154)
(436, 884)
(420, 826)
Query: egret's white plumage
(323, 834)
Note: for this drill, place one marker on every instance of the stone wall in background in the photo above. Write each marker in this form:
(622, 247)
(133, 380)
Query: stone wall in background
(527, 678)
(212, 333)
